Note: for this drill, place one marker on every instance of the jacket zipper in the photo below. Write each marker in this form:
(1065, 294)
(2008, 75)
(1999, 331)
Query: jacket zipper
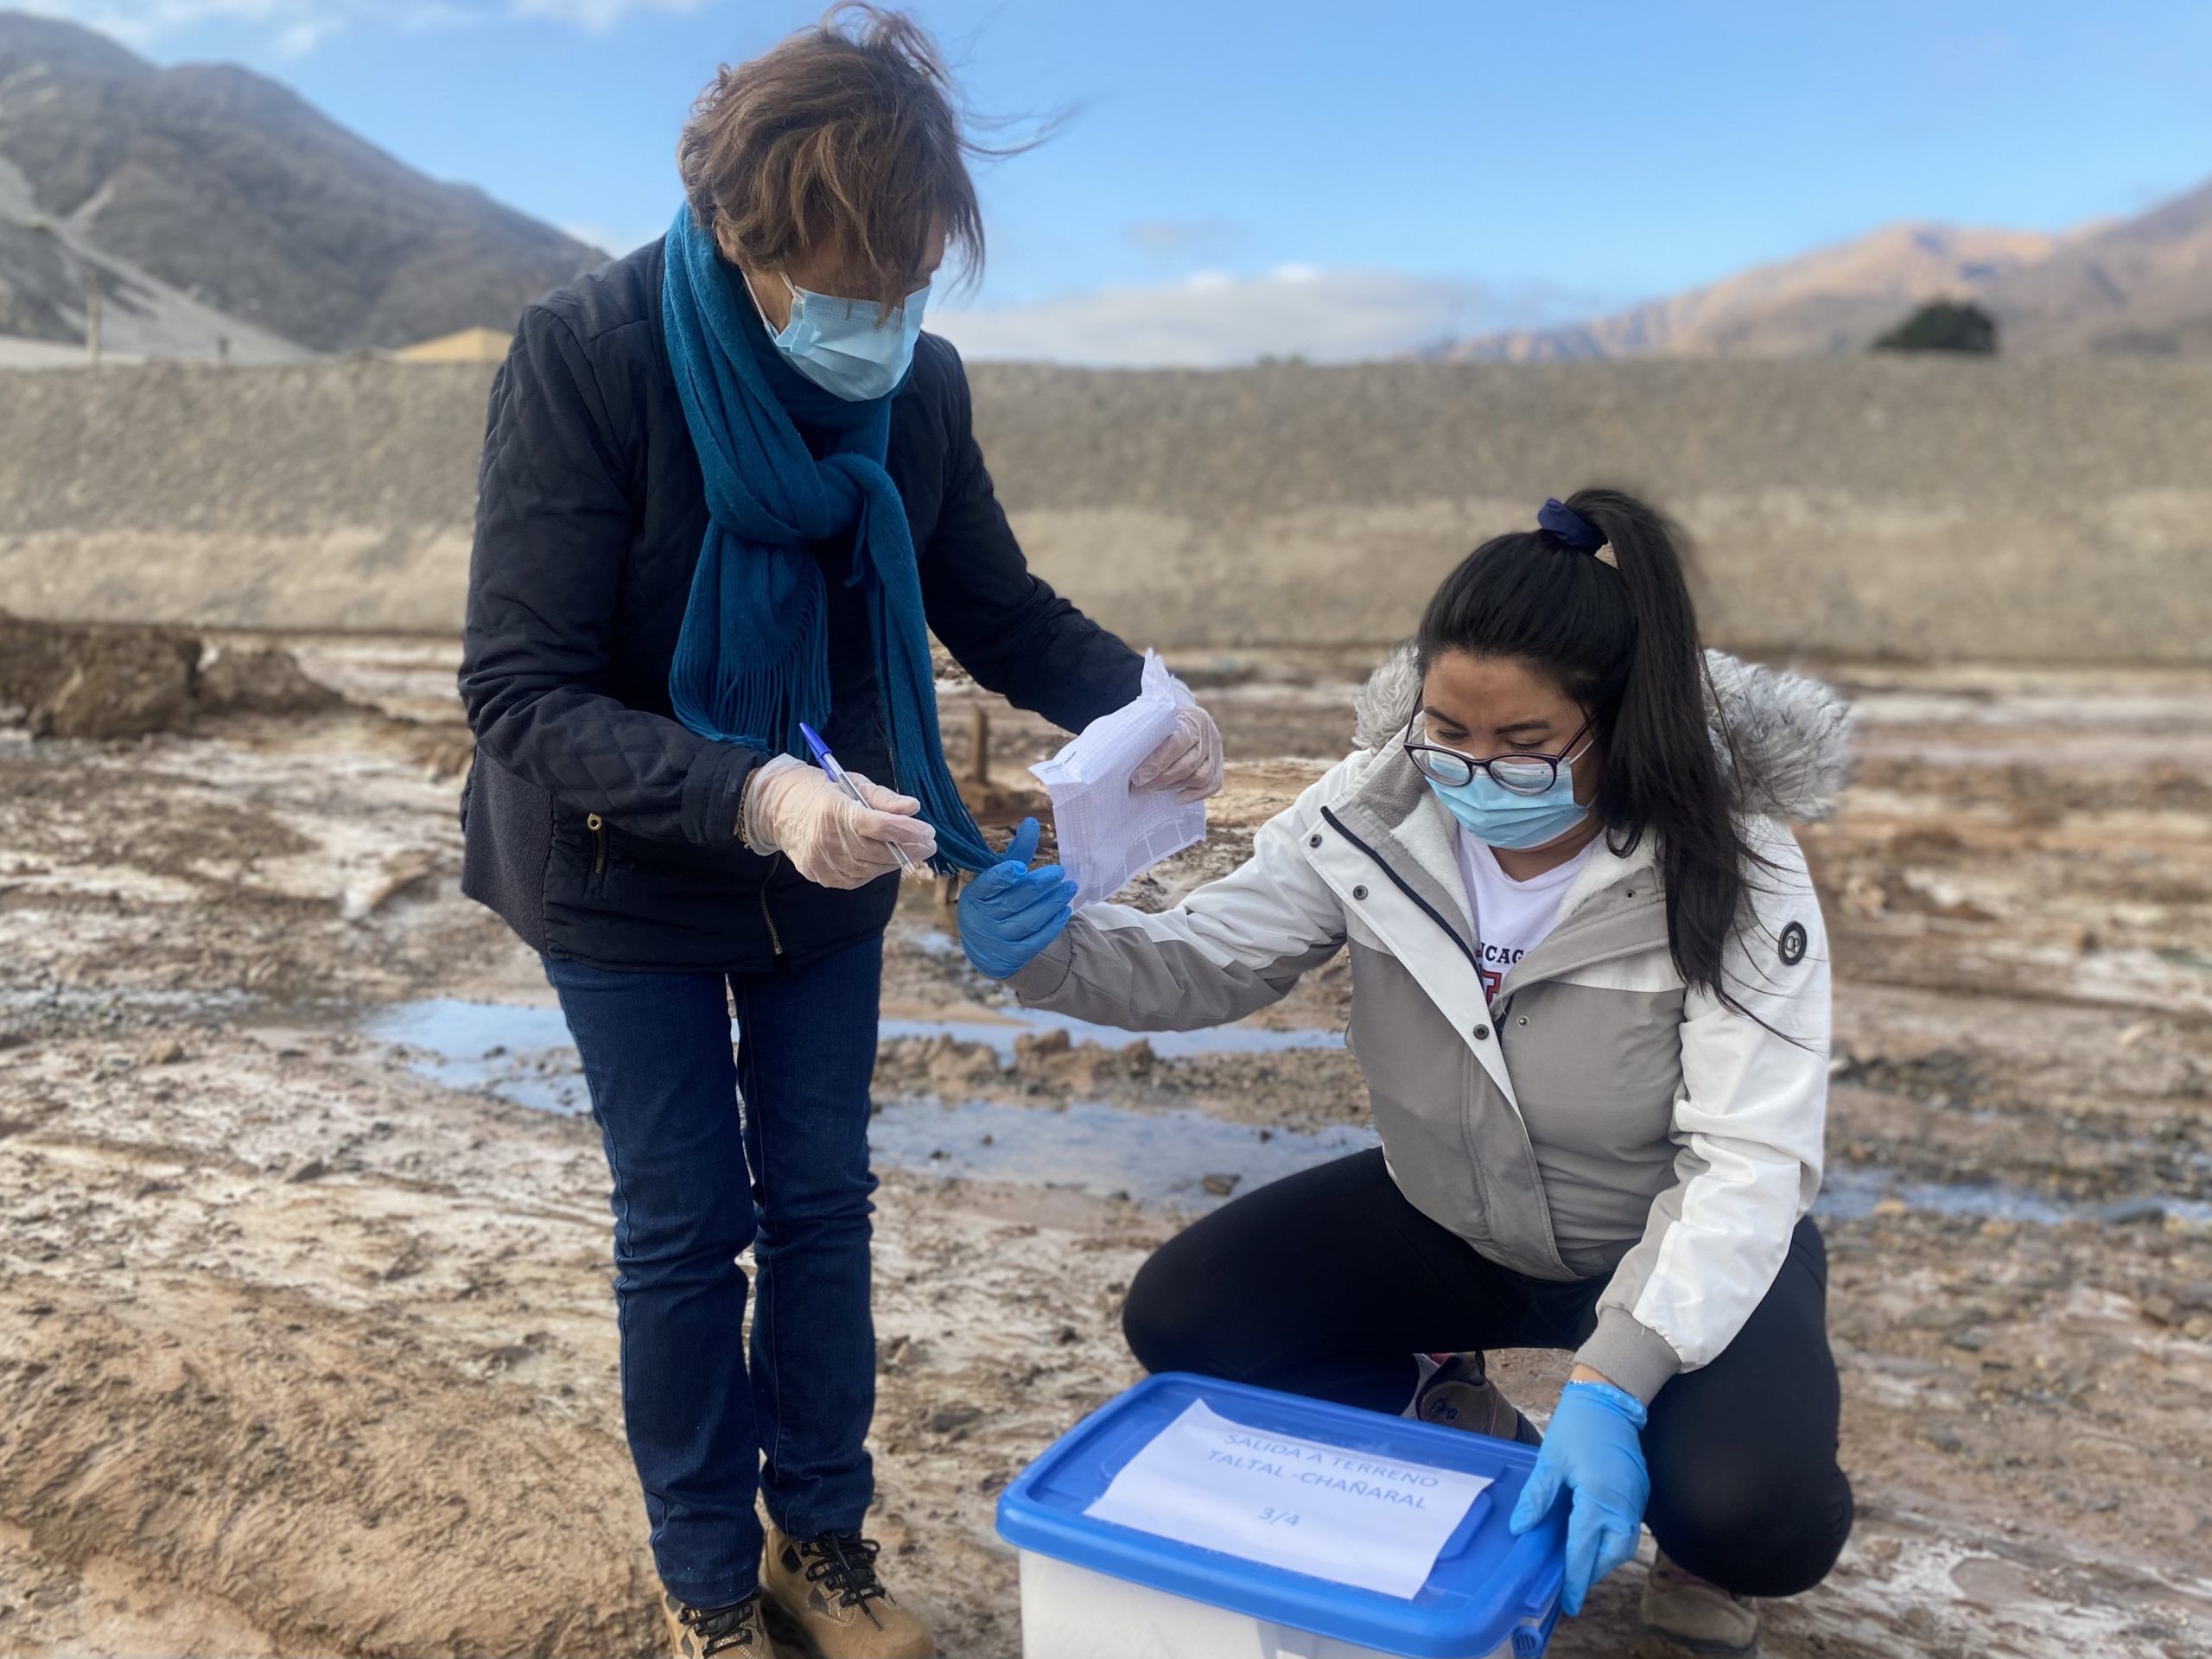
(775, 938)
(597, 825)
(1428, 910)
(1399, 882)
(1494, 1013)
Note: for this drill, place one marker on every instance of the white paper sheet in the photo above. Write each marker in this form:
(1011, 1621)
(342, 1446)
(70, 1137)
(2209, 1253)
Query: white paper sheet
(1106, 835)
(1341, 1516)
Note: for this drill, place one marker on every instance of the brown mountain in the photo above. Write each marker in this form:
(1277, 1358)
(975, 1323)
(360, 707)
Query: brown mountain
(208, 185)
(2143, 284)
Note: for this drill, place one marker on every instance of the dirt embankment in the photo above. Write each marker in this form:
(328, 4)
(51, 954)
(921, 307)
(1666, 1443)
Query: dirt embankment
(2045, 510)
(329, 496)
(306, 1347)
(115, 680)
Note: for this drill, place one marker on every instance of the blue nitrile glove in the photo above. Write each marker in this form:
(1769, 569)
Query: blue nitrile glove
(1592, 1446)
(1010, 912)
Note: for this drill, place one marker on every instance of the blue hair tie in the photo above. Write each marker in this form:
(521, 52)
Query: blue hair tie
(1567, 525)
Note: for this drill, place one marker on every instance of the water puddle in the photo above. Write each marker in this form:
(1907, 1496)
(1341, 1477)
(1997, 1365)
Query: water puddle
(1848, 1194)
(518, 1053)
(1183, 1160)
(453, 1027)
(465, 1033)
(1169, 1045)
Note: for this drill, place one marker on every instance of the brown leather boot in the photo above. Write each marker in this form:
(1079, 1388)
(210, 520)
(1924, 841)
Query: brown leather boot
(1461, 1396)
(828, 1588)
(732, 1632)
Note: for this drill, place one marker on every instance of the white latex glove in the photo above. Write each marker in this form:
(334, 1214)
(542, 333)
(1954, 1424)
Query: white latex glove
(794, 809)
(1188, 759)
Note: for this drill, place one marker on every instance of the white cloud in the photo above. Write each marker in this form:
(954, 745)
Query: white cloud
(1214, 319)
(141, 22)
(301, 36)
(596, 236)
(1181, 237)
(297, 26)
(612, 243)
(597, 15)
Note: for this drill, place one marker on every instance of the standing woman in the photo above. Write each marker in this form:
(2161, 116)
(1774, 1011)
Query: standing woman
(1590, 996)
(727, 483)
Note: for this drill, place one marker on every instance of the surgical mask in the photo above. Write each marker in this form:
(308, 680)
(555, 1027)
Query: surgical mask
(1497, 817)
(839, 345)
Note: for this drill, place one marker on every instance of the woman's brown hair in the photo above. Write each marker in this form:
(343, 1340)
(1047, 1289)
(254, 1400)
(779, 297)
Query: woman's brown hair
(845, 137)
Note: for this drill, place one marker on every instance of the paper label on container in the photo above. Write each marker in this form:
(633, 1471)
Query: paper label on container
(1349, 1517)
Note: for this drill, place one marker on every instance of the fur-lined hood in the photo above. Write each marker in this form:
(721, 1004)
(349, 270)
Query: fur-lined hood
(1791, 750)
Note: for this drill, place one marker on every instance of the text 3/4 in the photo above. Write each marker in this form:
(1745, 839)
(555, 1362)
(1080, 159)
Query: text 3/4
(1279, 1517)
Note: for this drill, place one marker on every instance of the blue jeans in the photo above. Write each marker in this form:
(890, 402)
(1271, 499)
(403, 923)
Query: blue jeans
(695, 1181)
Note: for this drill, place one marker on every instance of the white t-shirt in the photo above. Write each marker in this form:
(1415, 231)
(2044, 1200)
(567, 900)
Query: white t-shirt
(1512, 917)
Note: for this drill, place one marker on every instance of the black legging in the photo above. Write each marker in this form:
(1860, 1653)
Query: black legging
(1328, 1282)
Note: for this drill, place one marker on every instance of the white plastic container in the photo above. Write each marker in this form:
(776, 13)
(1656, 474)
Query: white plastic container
(1093, 1590)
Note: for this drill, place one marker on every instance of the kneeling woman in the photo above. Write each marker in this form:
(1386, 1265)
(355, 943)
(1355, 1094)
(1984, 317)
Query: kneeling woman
(1590, 1000)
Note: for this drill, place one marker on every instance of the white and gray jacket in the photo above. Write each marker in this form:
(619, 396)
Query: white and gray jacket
(1597, 1117)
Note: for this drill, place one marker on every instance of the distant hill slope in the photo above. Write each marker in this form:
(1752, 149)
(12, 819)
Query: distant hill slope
(2043, 508)
(2144, 284)
(1834, 299)
(42, 299)
(223, 190)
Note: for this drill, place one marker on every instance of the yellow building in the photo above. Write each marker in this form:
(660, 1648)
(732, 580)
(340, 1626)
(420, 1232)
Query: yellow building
(463, 345)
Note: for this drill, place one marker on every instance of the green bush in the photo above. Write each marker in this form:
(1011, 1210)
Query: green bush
(1943, 326)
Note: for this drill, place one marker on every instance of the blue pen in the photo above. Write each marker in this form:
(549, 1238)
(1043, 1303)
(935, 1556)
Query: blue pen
(827, 762)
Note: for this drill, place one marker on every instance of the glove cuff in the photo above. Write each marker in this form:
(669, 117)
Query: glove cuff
(1637, 1359)
(1619, 1401)
(756, 823)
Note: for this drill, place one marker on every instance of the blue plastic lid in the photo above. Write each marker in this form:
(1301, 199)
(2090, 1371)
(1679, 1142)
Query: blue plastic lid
(1487, 1589)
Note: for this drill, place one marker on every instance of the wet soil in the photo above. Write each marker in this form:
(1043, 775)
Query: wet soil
(307, 1342)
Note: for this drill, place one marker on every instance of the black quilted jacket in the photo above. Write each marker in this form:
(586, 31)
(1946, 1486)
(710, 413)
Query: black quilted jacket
(600, 828)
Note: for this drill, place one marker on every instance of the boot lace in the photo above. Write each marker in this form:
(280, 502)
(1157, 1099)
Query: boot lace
(720, 1630)
(843, 1564)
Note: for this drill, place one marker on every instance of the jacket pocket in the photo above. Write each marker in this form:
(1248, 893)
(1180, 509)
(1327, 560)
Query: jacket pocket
(595, 878)
(1418, 1079)
(581, 858)
(1515, 1200)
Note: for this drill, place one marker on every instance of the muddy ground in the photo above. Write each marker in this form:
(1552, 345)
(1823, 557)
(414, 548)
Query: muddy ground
(306, 1336)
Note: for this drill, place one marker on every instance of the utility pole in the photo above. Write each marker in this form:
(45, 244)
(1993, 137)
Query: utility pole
(88, 277)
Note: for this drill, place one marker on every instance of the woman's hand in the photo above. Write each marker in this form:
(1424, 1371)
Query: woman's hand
(791, 808)
(1593, 1448)
(1186, 760)
(1010, 912)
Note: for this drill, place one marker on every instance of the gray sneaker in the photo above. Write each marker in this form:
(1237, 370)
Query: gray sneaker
(1461, 1396)
(1688, 1617)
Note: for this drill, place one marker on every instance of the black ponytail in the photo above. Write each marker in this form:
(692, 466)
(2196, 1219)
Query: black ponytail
(1619, 634)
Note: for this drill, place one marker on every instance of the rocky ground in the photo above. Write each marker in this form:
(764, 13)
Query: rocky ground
(306, 1338)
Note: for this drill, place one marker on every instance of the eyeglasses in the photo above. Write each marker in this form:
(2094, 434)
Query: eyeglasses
(1517, 774)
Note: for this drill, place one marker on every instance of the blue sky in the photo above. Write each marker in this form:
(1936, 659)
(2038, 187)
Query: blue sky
(1232, 176)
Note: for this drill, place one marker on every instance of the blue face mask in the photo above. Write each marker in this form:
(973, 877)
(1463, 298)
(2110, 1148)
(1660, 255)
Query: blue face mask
(1497, 817)
(840, 346)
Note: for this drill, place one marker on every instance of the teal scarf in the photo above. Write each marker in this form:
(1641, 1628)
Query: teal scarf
(752, 660)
